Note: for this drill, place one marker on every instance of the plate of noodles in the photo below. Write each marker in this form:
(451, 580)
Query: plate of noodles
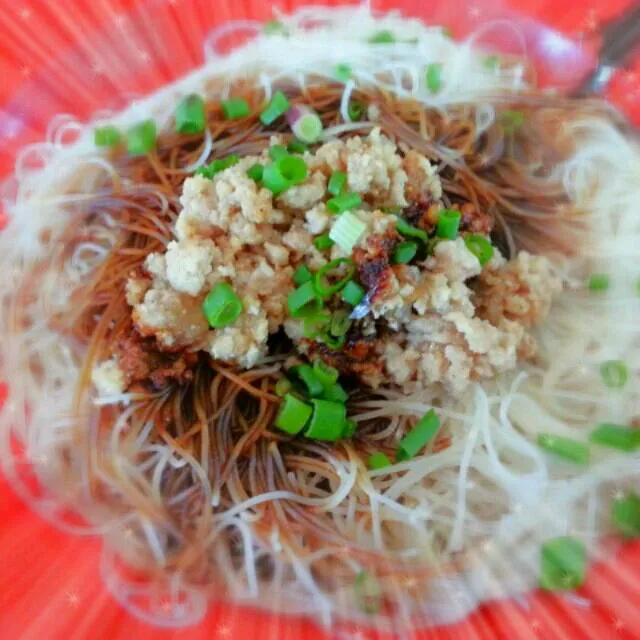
(339, 323)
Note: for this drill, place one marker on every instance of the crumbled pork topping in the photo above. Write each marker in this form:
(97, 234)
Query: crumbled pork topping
(442, 320)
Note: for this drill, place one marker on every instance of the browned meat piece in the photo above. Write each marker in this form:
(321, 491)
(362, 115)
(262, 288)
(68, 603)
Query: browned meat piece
(141, 360)
(373, 262)
(475, 221)
(423, 215)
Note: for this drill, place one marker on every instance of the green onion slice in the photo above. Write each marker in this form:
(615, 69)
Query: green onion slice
(355, 111)
(598, 282)
(302, 274)
(222, 306)
(405, 229)
(326, 374)
(141, 138)
(323, 242)
(347, 231)
(190, 114)
(107, 136)
(327, 421)
(614, 373)
(480, 247)
(382, 37)
(571, 450)
(296, 146)
(337, 182)
(340, 323)
(616, 436)
(405, 252)
(342, 72)
(304, 301)
(278, 151)
(368, 592)
(336, 393)
(335, 343)
(625, 515)
(235, 108)
(278, 106)
(448, 224)
(344, 202)
(255, 172)
(434, 77)
(273, 179)
(424, 431)
(378, 460)
(293, 415)
(352, 293)
(307, 374)
(315, 324)
(563, 564)
(320, 279)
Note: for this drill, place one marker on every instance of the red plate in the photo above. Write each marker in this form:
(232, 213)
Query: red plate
(75, 56)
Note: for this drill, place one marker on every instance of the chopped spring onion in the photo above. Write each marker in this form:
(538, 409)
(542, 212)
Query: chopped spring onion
(480, 247)
(278, 151)
(355, 111)
(315, 324)
(235, 108)
(342, 72)
(614, 373)
(308, 376)
(327, 421)
(305, 123)
(326, 374)
(368, 593)
(405, 252)
(448, 224)
(293, 168)
(352, 293)
(337, 181)
(512, 120)
(190, 114)
(335, 393)
(255, 172)
(295, 146)
(303, 301)
(347, 230)
(278, 106)
(323, 242)
(491, 62)
(405, 229)
(340, 323)
(598, 282)
(320, 280)
(378, 460)
(293, 415)
(275, 27)
(210, 170)
(382, 37)
(107, 136)
(563, 564)
(335, 343)
(424, 431)
(302, 274)
(616, 436)
(141, 138)
(222, 306)
(350, 427)
(343, 202)
(283, 386)
(434, 77)
(625, 515)
(571, 450)
(284, 173)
